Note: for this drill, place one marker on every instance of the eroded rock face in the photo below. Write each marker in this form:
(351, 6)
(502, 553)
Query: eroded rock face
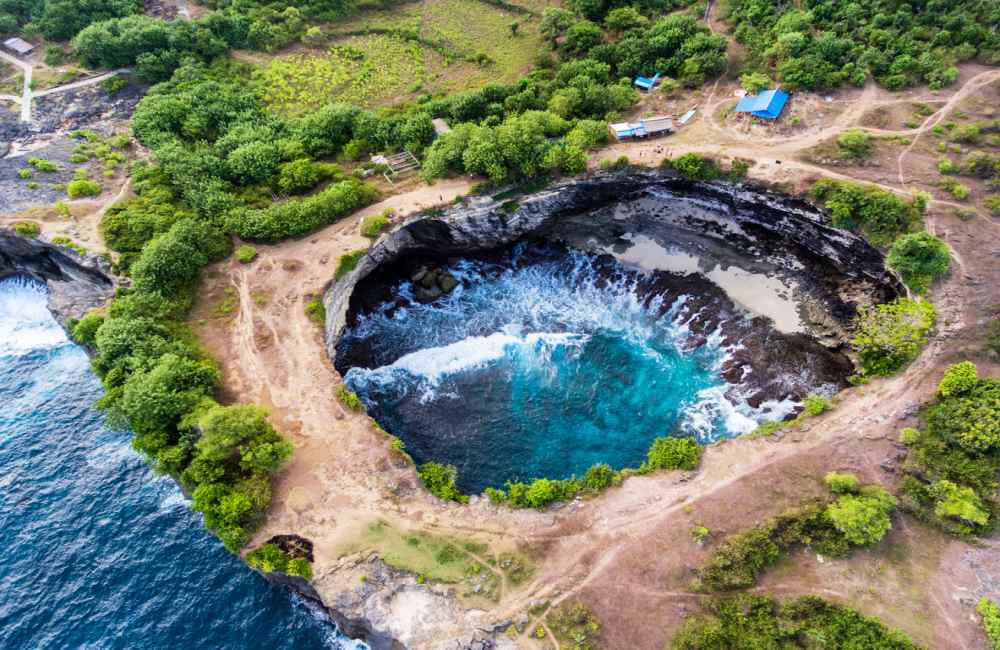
(77, 283)
(390, 610)
(829, 271)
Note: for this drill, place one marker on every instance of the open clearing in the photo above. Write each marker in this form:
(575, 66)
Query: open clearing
(391, 56)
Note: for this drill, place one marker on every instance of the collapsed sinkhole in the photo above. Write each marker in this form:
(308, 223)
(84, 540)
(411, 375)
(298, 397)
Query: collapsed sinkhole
(579, 327)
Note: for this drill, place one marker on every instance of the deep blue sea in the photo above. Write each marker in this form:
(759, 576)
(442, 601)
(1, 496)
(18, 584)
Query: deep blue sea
(539, 365)
(95, 550)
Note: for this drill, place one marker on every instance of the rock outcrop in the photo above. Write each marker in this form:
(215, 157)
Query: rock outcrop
(831, 270)
(77, 283)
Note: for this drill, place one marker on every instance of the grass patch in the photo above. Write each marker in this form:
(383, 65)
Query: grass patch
(373, 225)
(246, 253)
(348, 262)
(316, 311)
(349, 398)
(574, 626)
(27, 229)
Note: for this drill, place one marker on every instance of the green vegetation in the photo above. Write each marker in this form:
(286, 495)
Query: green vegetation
(349, 398)
(59, 20)
(668, 452)
(855, 144)
(348, 262)
(950, 474)
(600, 476)
(269, 558)
(920, 258)
(316, 311)
(826, 43)
(881, 215)
(85, 330)
(440, 481)
(80, 187)
(70, 244)
(858, 516)
(696, 167)
(574, 626)
(748, 621)
(43, 165)
(891, 335)
(990, 614)
(373, 225)
(27, 228)
(246, 253)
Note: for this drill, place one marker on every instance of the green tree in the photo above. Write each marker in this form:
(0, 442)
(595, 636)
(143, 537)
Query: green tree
(891, 335)
(863, 518)
(668, 452)
(920, 258)
(959, 379)
(958, 502)
(855, 144)
(440, 481)
(754, 82)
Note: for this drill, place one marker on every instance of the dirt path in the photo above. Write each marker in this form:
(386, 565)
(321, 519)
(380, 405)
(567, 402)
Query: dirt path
(26, 69)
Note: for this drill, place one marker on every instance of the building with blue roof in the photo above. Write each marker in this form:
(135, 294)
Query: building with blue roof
(767, 105)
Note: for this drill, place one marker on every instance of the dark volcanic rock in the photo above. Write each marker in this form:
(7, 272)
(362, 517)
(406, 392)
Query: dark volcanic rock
(77, 283)
(828, 271)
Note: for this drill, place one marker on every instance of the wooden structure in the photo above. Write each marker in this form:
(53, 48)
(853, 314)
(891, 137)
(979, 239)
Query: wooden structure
(399, 164)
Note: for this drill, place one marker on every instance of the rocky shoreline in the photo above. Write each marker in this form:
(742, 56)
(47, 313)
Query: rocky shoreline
(76, 283)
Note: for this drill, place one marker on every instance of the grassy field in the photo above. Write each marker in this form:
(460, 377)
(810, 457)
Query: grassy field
(386, 57)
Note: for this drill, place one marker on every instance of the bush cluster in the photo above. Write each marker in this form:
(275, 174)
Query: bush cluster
(892, 334)
(881, 215)
(440, 481)
(269, 558)
(920, 258)
(858, 516)
(990, 613)
(950, 474)
(749, 621)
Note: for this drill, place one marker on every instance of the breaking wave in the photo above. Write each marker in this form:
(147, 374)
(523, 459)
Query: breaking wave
(542, 364)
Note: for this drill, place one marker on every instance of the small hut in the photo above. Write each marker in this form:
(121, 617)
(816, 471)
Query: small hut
(19, 46)
(766, 105)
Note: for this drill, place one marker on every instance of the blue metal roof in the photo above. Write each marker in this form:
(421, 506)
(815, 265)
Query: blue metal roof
(767, 104)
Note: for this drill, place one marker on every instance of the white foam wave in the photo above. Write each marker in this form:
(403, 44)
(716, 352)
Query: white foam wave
(431, 365)
(25, 322)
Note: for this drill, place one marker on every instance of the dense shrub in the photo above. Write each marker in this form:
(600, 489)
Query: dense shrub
(920, 258)
(952, 467)
(85, 329)
(891, 335)
(80, 187)
(990, 614)
(668, 452)
(697, 167)
(858, 516)
(959, 379)
(863, 518)
(440, 481)
(316, 311)
(246, 253)
(599, 476)
(27, 228)
(269, 558)
(349, 398)
(743, 557)
(855, 144)
(750, 621)
(826, 43)
(298, 217)
(881, 215)
(842, 483)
